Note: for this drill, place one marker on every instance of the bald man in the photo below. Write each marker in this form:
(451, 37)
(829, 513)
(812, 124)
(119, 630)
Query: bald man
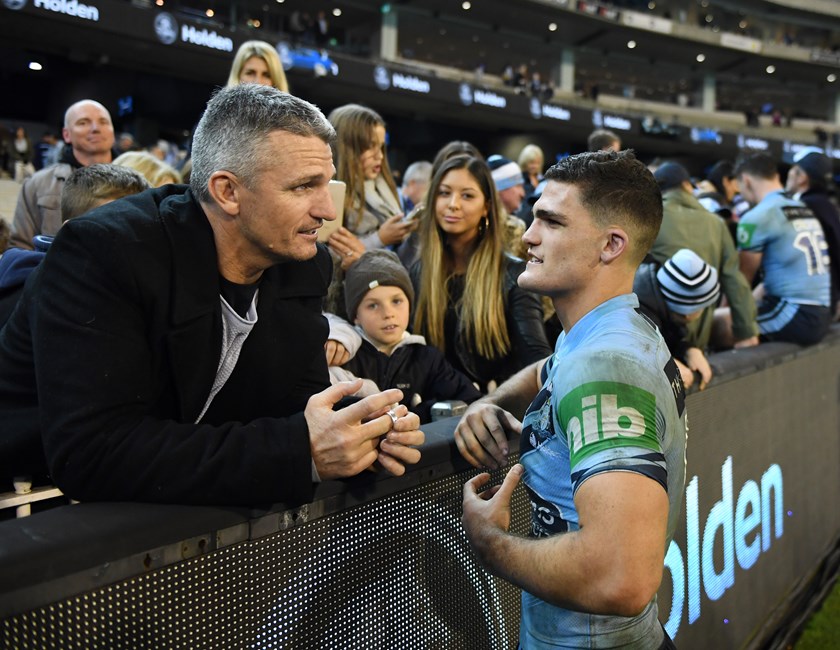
(89, 132)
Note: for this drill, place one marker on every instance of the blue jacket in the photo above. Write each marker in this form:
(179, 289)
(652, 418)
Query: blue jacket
(16, 264)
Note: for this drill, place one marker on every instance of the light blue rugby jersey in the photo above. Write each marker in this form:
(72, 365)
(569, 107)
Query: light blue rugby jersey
(795, 253)
(612, 399)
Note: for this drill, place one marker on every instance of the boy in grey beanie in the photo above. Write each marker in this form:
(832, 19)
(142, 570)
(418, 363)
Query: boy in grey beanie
(378, 295)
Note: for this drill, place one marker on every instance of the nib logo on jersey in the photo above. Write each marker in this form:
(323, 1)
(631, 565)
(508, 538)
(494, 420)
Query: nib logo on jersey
(167, 31)
(67, 7)
(604, 414)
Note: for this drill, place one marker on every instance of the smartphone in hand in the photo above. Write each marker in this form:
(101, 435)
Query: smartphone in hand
(414, 212)
(337, 190)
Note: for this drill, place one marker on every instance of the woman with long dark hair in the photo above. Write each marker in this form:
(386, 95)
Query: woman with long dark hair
(469, 304)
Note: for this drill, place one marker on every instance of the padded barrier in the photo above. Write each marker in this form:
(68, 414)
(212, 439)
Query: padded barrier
(382, 562)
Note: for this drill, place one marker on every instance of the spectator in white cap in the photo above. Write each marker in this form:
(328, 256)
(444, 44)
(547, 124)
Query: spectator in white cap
(509, 184)
(507, 177)
(688, 284)
(673, 295)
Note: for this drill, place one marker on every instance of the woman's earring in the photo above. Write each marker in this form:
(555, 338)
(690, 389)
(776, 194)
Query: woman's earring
(483, 225)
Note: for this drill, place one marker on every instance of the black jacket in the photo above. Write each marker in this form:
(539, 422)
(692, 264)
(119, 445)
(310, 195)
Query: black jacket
(416, 369)
(115, 347)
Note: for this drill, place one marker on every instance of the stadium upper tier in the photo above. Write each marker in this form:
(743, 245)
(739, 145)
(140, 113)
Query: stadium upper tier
(698, 63)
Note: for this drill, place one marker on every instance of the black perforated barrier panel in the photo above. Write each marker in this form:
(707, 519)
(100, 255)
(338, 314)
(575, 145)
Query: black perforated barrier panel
(760, 511)
(394, 573)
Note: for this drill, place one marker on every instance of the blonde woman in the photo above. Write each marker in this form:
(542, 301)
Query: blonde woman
(469, 304)
(153, 169)
(372, 214)
(531, 161)
(257, 62)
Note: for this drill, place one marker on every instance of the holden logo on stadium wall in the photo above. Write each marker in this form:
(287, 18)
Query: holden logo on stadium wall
(72, 8)
(381, 77)
(466, 94)
(536, 108)
(166, 28)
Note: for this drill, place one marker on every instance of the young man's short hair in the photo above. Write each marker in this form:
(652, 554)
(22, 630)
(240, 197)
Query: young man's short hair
(756, 163)
(615, 187)
(89, 187)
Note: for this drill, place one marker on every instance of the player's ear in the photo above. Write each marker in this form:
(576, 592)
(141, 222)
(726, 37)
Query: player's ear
(616, 244)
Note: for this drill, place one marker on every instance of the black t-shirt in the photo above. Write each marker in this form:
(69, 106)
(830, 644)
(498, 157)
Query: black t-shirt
(238, 296)
(455, 286)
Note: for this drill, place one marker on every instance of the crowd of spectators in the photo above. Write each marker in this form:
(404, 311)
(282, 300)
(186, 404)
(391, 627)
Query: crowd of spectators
(166, 342)
(374, 211)
(462, 249)
(374, 207)
(527, 82)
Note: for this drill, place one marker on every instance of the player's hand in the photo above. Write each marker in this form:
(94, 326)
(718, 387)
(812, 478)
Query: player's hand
(487, 513)
(482, 435)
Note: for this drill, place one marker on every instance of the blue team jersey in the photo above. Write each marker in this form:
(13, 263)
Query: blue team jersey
(611, 400)
(795, 253)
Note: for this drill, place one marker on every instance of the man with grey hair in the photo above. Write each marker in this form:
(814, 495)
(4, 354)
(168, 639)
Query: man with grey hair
(179, 349)
(415, 184)
(89, 134)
